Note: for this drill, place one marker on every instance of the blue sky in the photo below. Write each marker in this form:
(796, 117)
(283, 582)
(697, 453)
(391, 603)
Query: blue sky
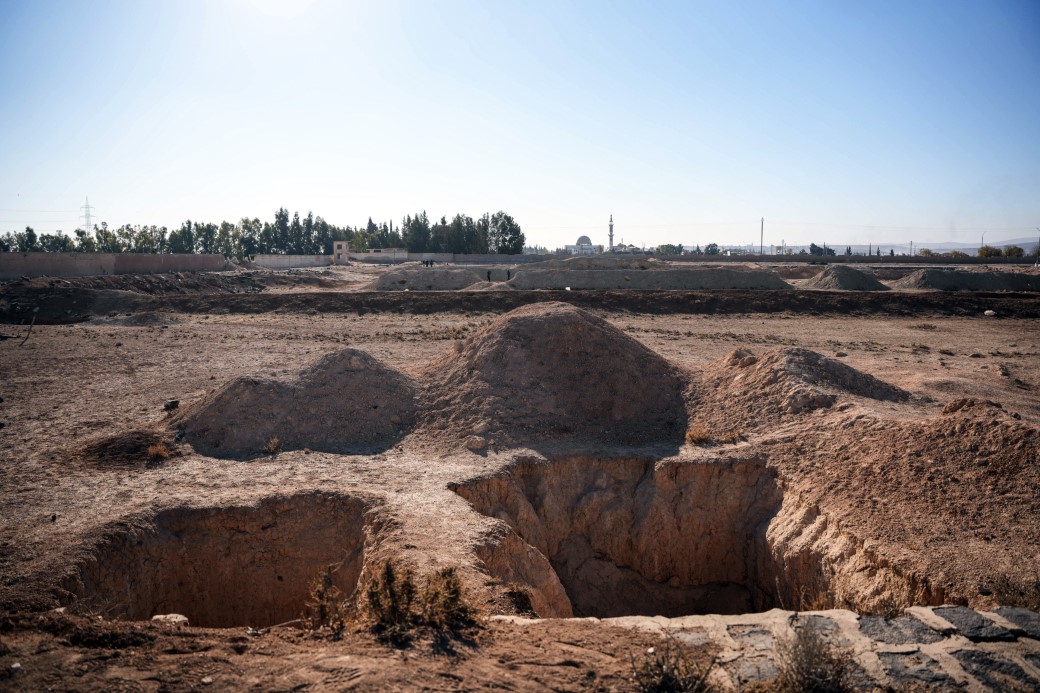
(844, 122)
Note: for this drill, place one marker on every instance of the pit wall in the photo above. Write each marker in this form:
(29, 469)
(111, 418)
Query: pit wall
(17, 265)
(227, 566)
(607, 538)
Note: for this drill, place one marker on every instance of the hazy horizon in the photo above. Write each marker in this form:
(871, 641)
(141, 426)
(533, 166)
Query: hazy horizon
(837, 122)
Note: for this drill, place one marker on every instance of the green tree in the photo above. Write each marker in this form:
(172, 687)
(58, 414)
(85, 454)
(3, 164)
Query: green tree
(1013, 251)
(504, 236)
(280, 243)
(182, 240)
(26, 241)
(989, 251)
(711, 249)
(56, 243)
(669, 249)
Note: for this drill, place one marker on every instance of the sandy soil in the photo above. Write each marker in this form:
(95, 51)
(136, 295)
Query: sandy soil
(943, 504)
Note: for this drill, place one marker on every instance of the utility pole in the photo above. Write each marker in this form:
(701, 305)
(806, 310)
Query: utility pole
(761, 236)
(611, 233)
(87, 226)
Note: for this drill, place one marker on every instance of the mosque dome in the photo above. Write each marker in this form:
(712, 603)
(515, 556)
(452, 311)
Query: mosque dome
(584, 240)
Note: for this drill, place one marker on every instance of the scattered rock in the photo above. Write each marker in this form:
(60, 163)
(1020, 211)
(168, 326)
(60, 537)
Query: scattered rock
(476, 443)
(171, 404)
(174, 619)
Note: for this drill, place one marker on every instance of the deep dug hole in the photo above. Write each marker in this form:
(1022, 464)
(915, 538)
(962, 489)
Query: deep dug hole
(619, 537)
(226, 566)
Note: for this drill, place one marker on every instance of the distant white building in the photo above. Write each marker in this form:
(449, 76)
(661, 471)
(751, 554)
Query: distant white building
(583, 247)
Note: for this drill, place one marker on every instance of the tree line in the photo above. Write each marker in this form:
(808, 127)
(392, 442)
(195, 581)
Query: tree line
(311, 235)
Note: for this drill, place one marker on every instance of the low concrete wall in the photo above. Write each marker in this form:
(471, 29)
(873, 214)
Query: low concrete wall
(15, 265)
(451, 258)
(290, 261)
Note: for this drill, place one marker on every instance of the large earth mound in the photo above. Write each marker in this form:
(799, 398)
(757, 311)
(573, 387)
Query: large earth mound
(753, 389)
(347, 400)
(679, 279)
(422, 279)
(960, 280)
(844, 278)
(551, 370)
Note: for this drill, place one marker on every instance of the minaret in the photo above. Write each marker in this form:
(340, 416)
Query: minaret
(611, 233)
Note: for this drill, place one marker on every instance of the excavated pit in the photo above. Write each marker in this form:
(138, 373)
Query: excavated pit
(225, 566)
(607, 538)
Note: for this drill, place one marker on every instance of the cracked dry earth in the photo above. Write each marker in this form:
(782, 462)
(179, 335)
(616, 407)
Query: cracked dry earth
(701, 476)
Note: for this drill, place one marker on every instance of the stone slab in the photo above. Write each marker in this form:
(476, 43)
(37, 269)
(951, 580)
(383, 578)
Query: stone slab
(903, 630)
(1028, 621)
(972, 625)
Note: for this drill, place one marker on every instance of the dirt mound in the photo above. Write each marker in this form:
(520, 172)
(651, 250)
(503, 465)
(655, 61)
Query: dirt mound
(682, 279)
(961, 280)
(752, 389)
(433, 279)
(844, 278)
(346, 401)
(555, 371)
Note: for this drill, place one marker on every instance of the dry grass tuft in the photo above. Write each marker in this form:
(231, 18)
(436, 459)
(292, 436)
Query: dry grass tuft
(670, 668)
(273, 445)
(325, 607)
(698, 434)
(809, 664)
(158, 452)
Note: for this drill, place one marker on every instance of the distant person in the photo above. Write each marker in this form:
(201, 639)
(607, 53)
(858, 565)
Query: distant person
(489, 275)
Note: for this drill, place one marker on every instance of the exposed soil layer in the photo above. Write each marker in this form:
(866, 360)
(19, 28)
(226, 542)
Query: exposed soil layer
(961, 280)
(225, 566)
(844, 278)
(551, 371)
(21, 304)
(344, 401)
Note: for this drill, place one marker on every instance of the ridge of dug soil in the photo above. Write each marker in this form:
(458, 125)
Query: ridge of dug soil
(844, 278)
(434, 279)
(344, 400)
(549, 371)
(960, 280)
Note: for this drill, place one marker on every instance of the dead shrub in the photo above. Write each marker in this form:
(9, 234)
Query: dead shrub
(670, 668)
(396, 610)
(158, 452)
(698, 434)
(809, 664)
(273, 445)
(325, 607)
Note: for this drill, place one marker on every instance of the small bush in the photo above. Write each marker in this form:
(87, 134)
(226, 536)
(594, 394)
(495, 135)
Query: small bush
(669, 668)
(273, 445)
(809, 664)
(698, 434)
(325, 608)
(158, 452)
(444, 604)
(396, 610)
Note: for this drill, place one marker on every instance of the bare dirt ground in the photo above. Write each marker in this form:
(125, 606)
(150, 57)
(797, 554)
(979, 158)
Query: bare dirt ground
(884, 445)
